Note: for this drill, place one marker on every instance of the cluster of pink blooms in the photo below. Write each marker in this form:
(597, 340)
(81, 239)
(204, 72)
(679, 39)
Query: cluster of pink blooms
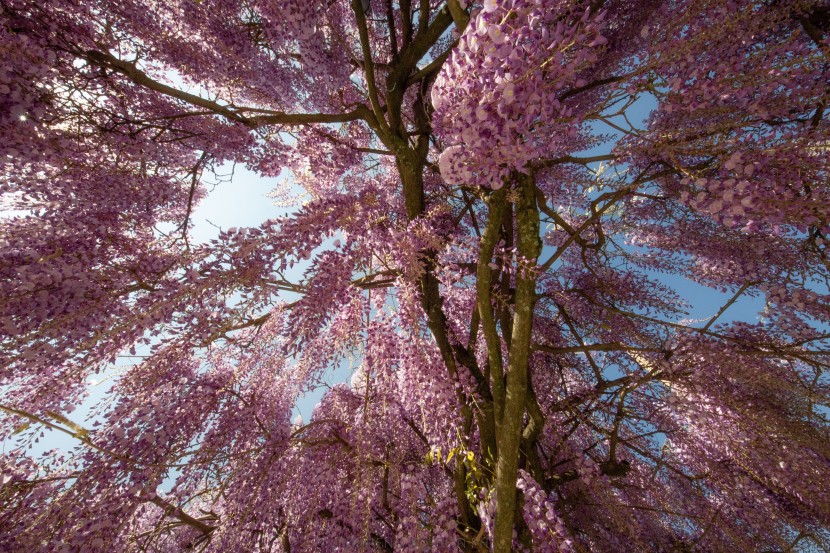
(548, 531)
(497, 100)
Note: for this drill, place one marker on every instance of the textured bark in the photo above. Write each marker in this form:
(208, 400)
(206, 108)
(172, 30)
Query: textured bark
(516, 379)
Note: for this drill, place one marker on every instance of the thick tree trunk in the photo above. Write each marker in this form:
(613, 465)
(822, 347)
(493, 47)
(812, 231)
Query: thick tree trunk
(516, 379)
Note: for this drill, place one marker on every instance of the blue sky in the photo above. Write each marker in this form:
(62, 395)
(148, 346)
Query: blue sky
(240, 202)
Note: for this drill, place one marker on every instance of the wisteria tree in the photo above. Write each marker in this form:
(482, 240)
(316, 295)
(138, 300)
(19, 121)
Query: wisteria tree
(485, 233)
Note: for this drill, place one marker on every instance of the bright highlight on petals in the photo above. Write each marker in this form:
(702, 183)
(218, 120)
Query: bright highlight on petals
(496, 34)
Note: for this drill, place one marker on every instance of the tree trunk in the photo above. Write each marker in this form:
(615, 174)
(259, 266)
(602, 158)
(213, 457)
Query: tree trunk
(516, 385)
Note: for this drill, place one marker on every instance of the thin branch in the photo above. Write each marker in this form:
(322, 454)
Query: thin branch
(177, 512)
(594, 84)
(432, 67)
(727, 305)
(131, 71)
(77, 431)
(195, 175)
(368, 66)
(573, 159)
(613, 346)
